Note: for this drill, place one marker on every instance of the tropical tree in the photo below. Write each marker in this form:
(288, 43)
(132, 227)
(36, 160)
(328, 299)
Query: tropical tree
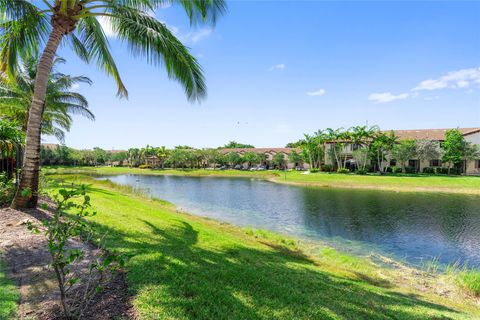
(133, 157)
(337, 140)
(162, 154)
(404, 151)
(60, 101)
(308, 146)
(11, 139)
(294, 157)
(234, 158)
(381, 149)
(361, 138)
(27, 27)
(427, 149)
(278, 160)
(453, 147)
(235, 144)
(251, 158)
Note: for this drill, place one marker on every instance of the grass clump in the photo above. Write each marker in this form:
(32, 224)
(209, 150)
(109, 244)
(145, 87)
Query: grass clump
(469, 280)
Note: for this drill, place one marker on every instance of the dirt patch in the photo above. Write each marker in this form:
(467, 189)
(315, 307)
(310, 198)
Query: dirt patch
(27, 260)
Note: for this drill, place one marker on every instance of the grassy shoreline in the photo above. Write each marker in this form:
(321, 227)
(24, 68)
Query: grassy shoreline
(187, 267)
(401, 183)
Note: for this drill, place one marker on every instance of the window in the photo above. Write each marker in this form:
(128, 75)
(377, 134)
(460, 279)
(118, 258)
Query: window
(393, 163)
(412, 163)
(477, 164)
(435, 163)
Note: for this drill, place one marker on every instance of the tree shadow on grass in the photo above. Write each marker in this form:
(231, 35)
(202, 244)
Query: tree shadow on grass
(172, 275)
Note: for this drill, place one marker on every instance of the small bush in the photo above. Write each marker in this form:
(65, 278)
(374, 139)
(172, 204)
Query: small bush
(7, 190)
(369, 168)
(429, 170)
(313, 170)
(441, 170)
(326, 167)
(470, 281)
(361, 172)
(410, 170)
(145, 166)
(343, 171)
(397, 170)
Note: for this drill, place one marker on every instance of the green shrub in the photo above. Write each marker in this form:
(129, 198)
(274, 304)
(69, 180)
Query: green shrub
(397, 170)
(410, 170)
(441, 170)
(343, 170)
(313, 170)
(361, 172)
(145, 166)
(469, 281)
(429, 170)
(7, 190)
(326, 167)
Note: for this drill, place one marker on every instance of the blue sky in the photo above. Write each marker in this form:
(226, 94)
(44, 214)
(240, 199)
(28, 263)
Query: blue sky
(278, 69)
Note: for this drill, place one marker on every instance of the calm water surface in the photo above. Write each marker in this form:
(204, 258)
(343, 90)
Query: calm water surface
(411, 226)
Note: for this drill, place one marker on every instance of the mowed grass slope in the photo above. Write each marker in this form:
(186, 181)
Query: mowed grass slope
(401, 183)
(186, 267)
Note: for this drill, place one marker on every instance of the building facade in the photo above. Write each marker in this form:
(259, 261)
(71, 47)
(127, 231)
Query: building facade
(470, 167)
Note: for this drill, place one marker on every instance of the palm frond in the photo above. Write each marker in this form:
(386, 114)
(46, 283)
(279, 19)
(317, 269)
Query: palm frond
(21, 38)
(95, 42)
(152, 40)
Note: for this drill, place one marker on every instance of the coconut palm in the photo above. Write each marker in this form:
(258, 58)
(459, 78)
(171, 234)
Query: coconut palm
(60, 102)
(27, 27)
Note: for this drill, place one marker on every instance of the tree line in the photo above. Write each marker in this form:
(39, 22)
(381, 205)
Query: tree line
(382, 151)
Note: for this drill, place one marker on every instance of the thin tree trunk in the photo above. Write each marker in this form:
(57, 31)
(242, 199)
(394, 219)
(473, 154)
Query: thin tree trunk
(31, 164)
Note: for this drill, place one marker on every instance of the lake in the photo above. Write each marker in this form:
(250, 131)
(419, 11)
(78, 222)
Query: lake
(413, 227)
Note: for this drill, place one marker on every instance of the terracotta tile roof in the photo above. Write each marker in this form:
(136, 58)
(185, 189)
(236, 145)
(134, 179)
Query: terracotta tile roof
(429, 134)
(259, 150)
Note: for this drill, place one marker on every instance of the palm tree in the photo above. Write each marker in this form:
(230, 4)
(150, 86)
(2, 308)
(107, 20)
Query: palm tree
(25, 27)
(60, 103)
(362, 137)
(162, 154)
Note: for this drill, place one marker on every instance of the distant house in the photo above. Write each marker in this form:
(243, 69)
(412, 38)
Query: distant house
(472, 135)
(153, 161)
(268, 153)
(471, 167)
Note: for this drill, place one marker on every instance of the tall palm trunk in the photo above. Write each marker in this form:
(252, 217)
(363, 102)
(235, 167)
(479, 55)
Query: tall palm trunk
(31, 164)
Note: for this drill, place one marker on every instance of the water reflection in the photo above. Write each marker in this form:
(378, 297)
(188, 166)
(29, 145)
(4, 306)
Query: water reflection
(411, 226)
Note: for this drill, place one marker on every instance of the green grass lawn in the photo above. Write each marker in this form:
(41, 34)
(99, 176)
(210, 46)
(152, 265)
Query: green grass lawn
(404, 183)
(186, 267)
(8, 296)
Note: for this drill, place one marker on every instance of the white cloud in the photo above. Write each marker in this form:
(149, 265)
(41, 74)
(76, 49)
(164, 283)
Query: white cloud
(75, 86)
(280, 66)
(199, 35)
(191, 37)
(460, 79)
(431, 98)
(453, 80)
(387, 97)
(319, 92)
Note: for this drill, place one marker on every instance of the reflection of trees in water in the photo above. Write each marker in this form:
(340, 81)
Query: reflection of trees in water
(421, 224)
